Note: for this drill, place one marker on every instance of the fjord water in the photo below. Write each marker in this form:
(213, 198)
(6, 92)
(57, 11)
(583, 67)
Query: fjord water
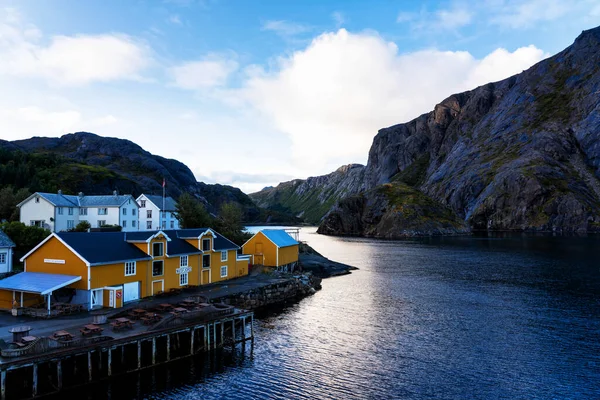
(444, 318)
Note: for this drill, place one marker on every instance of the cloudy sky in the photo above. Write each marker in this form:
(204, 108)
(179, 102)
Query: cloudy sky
(250, 93)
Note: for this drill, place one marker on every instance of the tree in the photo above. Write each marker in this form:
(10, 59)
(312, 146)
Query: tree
(25, 237)
(191, 213)
(9, 198)
(82, 226)
(230, 223)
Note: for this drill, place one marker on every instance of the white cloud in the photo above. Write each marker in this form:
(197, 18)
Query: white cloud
(454, 18)
(68, 60)
(38, 121)
(174, 19)
(405, 17)
(339, 18)
(285, 28)
(211, 71)
(333, 96)
(425, 21)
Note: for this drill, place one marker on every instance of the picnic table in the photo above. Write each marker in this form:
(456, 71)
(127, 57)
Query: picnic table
(91, 329)
(28, 339)
(187, 303)
(179, 310)
(122, 323)
(150, 318)
(164, 307)
(62, 335)
(137, 313)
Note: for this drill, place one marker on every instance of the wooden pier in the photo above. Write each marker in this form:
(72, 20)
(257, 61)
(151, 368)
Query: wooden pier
(55, 369)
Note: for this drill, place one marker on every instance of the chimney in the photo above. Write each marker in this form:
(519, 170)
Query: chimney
(114, 193)
(80, 194)
(59, 191)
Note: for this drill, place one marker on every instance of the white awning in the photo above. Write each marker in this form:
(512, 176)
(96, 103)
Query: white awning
(37, 282)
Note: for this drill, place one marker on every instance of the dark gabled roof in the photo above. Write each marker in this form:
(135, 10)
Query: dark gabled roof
(105, 201)
(60, 200)
(170, 204)
(280, 237)
(175, 247)
(220, 243)
(102, 247)
(5, 240)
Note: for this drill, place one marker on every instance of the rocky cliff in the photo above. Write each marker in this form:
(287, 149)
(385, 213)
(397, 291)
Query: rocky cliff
(519, 154)
(95, 165)
(311, 198)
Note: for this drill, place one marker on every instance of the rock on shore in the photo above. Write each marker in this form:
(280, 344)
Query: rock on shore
(320, 266)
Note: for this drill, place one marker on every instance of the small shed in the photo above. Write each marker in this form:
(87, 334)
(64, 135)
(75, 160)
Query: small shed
(6, 252)
(272, 248)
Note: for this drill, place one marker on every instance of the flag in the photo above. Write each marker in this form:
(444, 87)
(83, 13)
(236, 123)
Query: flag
(164, 182)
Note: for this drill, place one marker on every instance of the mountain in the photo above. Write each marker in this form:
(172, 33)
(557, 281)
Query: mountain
(95, 164)
(310, 199)
(519, 154)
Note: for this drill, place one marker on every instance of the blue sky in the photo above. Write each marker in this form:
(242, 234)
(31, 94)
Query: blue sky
(250, 93)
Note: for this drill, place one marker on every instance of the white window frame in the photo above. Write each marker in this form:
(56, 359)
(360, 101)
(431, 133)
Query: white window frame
(148, 224)
(203, 240)
(172, 224)
(224, 252)
(70, 223)
(162, 249)
(148, 213)
(163, 267)
(101, 223)
(142, 203)
(130, 268)
(83, 211)
(37, 199)
(209, 261)
(102, 211)
(71, 210)
(223, 275)
(3, 258)
(124, 211)
(124, 223)
(183, 261)
(183, 279)
(60, 211)
(133, 224)
(133, 211)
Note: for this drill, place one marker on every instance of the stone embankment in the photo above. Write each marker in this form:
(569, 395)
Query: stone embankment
(287, 289)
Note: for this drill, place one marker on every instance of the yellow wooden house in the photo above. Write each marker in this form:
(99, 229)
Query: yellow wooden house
(108, 269)
(272, 248)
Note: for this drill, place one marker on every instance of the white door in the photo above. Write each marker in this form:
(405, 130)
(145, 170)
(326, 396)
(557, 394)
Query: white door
(111, 299)
(131, 291)
(97, 297)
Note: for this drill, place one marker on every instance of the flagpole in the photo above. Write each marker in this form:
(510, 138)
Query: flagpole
(164, 215)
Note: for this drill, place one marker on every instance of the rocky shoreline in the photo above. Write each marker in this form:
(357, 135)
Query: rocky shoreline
(320, 266)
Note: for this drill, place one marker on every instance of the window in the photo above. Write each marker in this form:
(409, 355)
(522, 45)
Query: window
(172, 224)
(40, 223)
(2, 258)
(157, 268)
(70, 224)
(70, 210)
(130, 268)
(206, 261)
(124, 224)
(224, 271)
(143, 203)
(148, 224)
(224, 255)
(37, 199)
(149, 214)
(83, 211)
(103, 211)
(133, 211)
(205, 244)
(164, 225)
(60, 211)
(133, 224)
(157, 249)
(124, 211)
(183, 261)
(183, 279)
(172, 215)
(101, 223)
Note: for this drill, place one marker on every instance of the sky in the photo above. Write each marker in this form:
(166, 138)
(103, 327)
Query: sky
(252, 93)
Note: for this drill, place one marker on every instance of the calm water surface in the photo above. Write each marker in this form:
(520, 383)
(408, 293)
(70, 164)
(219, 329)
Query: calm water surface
(447, 318)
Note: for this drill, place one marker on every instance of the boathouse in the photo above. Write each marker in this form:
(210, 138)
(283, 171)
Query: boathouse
(272, 248)
(107, 269)
(6, 252)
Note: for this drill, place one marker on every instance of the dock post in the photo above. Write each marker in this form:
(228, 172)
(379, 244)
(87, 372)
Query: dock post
(215, 335)
(193, 333)
(89, 366)
(59, 374)
(109, 361)
(233, 330)
(252, 326)
(222, 332)
(208, 334)
(168, 346)
(35, 381)
(244, 329)
(139, 343)
(3, 384)
(205, 337)
(153, 350)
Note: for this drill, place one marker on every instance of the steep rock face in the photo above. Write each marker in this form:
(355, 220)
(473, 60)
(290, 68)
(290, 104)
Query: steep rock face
(391, 210)
(310, 199)
(96, 164)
